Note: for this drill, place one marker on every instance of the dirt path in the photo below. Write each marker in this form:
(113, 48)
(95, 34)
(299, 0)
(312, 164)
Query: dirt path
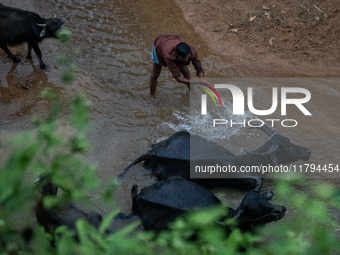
(276, 38)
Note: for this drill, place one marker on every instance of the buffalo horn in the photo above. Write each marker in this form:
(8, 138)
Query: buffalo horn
(268, 130)
(271, 150)
(41, 25)
(39, 179)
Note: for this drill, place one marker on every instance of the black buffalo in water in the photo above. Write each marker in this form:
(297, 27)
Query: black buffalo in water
(66, 215)
(172, 157)
(161, 203)
(18, 26)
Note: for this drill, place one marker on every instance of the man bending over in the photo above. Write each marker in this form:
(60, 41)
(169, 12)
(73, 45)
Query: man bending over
(170, 51)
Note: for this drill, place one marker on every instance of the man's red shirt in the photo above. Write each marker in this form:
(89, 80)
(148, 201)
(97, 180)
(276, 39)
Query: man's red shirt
(165, 46)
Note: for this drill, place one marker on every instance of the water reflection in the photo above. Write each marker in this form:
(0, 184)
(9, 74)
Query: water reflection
(20, 90)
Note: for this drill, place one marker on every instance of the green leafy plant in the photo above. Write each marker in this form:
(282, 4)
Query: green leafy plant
(67, 59)
(312, 228)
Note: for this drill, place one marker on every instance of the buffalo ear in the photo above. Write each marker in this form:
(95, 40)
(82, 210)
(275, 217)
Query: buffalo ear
(43, 31)
(134, 192)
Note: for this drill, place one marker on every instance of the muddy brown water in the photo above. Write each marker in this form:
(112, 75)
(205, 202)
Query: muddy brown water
(114, 64)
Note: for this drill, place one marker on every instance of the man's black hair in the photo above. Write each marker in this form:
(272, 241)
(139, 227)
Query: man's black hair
(183, 49)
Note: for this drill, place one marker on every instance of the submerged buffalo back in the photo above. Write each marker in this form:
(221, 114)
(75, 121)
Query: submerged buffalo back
(183, 146)
(161, 203)
(164, 168)
(155, 216)
(66, 214)
(172, 156)
(176, 146)
(179, 193)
